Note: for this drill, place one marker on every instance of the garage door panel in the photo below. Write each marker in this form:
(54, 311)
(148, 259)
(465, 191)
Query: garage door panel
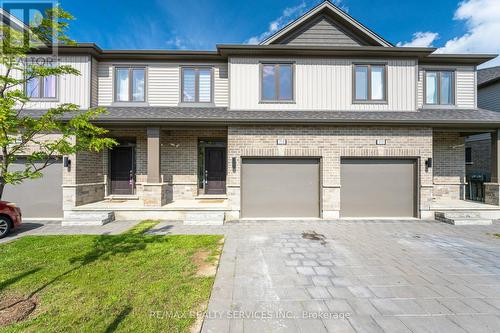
(378, 188)
(38, 198)
(280, 188)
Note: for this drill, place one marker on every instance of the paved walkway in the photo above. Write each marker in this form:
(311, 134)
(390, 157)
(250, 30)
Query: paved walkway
(346, 276)
(37, 228)
(392, 276)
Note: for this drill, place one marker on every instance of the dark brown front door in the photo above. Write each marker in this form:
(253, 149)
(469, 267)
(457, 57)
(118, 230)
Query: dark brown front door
(122, 170)
(215, 170)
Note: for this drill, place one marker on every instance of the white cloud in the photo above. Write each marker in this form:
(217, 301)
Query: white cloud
(421, 39)
(177, 43)
(288, 15)
(482, 18)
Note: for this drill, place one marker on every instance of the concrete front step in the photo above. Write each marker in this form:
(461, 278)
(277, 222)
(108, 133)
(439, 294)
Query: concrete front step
(463, 218)
(470, 222)
(454, 214)
(204, 218)
(87, 218)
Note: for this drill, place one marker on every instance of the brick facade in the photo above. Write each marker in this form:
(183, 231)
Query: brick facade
(330, 144)
(179, 160)
(449, 165)
(87, 179)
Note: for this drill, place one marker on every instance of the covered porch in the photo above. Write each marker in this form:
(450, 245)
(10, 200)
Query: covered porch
(153, 171)
(452, 194)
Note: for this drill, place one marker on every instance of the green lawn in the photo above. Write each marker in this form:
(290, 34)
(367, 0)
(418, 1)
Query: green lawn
(107, 283)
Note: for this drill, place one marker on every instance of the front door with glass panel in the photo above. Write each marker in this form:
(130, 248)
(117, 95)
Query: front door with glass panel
(122, 169)
(212, 167)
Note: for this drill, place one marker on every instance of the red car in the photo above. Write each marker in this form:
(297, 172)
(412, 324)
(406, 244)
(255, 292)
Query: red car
(10, 217)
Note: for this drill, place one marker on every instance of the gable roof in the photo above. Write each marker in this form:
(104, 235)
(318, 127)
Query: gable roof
(344, 22)
(488, 76)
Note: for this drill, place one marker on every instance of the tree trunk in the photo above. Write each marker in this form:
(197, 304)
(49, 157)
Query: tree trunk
(2, 186)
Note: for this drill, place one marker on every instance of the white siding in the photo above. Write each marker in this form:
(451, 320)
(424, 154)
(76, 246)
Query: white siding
(221, 85)
(105, 83)
(94, 83)
(489, 97)
(71, 88)
(163, 83)
(322, 84)
(465, 85)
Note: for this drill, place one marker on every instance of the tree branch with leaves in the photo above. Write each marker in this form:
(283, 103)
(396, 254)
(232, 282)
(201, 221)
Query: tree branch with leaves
(41, 137)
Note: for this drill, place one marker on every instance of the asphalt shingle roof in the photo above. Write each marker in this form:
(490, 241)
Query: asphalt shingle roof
(218, 115)
(488, 74)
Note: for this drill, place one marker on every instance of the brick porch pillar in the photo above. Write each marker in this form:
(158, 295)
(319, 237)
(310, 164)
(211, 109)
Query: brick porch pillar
(154, 189)
(492, 189)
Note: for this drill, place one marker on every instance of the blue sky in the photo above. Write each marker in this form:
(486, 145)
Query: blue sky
(453, 26)
(200, 24)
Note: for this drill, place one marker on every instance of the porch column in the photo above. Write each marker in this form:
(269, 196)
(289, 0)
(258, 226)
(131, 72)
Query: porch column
(153, 155)
(154, 190)
(492, 189)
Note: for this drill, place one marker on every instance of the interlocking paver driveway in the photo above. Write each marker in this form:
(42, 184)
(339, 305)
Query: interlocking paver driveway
(393, 276)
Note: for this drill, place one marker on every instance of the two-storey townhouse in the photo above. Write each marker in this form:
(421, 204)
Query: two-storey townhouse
(325, 119)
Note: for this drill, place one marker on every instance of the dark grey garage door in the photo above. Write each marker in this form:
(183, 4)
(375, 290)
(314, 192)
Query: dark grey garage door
(278, 187)
(38, 198)
(378, 188)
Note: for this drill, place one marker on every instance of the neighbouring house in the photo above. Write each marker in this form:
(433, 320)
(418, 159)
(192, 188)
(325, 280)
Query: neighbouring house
(478, 147)
(324, 119)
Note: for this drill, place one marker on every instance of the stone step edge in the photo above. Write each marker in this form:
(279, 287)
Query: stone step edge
(88, 215)
(458, 214)
(81, 223)
(465, 221)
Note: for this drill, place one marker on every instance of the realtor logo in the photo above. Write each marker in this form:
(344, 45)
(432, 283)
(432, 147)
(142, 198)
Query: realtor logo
(21, 23)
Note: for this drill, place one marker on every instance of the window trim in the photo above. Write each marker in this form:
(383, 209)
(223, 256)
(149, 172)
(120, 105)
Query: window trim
(40, 90)
(130, 84)
(276, 83)
(196, 85)
(453, 91)
(369, 99)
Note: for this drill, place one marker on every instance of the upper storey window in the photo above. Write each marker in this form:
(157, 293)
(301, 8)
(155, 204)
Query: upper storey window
(130, 84)
(42, 87)
(277, 82)
(196, 85)
(439, 87)
(369, 83)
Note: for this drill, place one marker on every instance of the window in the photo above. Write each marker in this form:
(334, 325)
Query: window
(369, 83)
(42, 87)
(439, 87)
(130, 84)
(468, 155)
(277, 82)
(196, 85)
